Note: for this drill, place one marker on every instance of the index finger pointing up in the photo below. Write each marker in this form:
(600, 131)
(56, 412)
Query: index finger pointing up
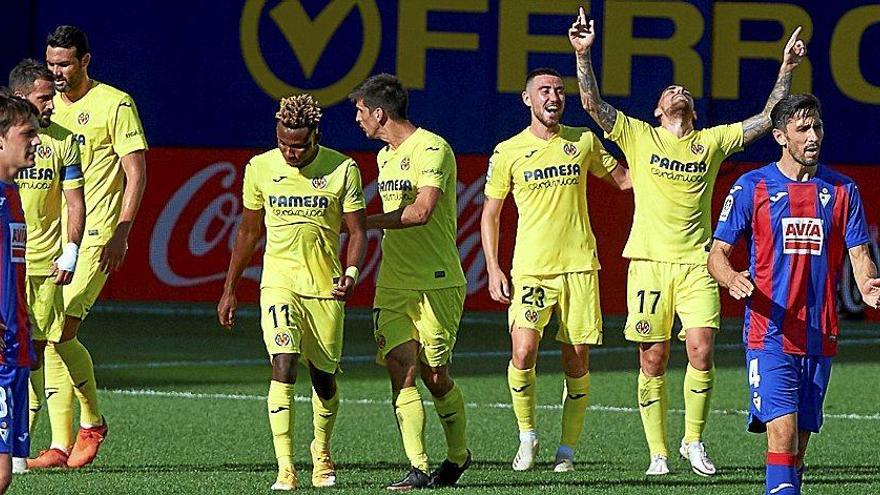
(794, 36)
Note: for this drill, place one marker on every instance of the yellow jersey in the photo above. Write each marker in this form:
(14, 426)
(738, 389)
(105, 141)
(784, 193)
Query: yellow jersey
(549, 183)
(106, 125)
(672, 182)
(303, 215)
(57, 167)
(424, 257)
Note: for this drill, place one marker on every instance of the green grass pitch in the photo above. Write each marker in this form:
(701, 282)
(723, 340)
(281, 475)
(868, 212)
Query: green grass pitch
(185, 403)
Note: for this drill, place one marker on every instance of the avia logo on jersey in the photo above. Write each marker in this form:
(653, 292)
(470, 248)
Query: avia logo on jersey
(299, 201)
(18, 236)
(44, 152)
(35, 173)
(394, 185)
(677, 166)
(552, 171)
(83, 118)
(802, 235)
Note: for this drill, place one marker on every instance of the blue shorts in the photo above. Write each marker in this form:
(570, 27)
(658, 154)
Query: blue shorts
(14, 437)
(782, 384)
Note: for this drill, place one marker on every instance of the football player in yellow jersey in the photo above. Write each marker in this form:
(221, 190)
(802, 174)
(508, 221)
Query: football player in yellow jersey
(303, 193)
(421, 287)
(112, 148)
(546, 167)
(673, 168)
(49, 265)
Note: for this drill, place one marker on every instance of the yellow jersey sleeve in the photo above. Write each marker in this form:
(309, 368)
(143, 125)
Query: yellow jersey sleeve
(252, 197)
(434, 165)
(128, 133)
(729, 137)
(628, 132)
(497, 176)
(599, 161)
(353, 200)
(71, 167)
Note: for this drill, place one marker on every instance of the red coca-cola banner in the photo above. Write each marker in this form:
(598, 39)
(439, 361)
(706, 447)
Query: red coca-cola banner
(181, 243)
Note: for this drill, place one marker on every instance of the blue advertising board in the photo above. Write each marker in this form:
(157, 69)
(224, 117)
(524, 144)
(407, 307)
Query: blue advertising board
(208, 74)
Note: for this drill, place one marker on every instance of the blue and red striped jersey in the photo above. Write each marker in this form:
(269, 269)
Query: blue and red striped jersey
(17, 347)
(796, 234)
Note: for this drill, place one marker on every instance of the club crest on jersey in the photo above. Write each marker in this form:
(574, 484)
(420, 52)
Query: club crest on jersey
(697, 148)
(17, 241)
(282, 339)
(531, 316)
(824, 196)
(803, 235)
(44, 152)
(319, 182)
(643, 327)
(83, 118)
(570, 149)
(404, 164)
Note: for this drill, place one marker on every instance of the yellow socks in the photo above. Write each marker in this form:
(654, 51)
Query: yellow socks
(411, 421)
(576, 396)
(450, 409)
(323, 419)
(59, 399)
(697, 394)
(36, 396)
(653, 403)
(522, 393)
(82, 373)
(281, 419)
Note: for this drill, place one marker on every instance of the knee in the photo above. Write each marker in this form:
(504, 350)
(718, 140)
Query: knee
(71, 327)
(324, 384)
(653, 364)
(437, 380)
(284, 368)
(575, 366)
(701, 357)
(524, 356)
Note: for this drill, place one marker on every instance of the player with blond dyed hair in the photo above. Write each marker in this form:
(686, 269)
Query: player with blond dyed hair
(302, 192)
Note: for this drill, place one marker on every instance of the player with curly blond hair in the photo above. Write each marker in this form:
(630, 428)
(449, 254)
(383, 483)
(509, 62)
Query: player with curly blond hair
(302, 192)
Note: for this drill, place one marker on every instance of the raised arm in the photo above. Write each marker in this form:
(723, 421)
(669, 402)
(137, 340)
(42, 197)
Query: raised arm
(412, 215)
(865, 272)
(737, 283)
(581, 35)
(756, 126)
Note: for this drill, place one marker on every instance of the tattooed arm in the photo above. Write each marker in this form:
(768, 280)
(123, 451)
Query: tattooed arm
(581, 35)
(756, 126)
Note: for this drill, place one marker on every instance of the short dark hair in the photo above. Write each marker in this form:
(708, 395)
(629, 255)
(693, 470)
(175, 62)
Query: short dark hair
(383, 91)
(793, 105)
(69, 37)
(542, 71)
(23, 75)
(15, 111)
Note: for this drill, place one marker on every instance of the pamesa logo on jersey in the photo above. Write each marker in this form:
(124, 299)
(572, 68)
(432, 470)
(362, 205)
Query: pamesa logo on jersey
(44, 152)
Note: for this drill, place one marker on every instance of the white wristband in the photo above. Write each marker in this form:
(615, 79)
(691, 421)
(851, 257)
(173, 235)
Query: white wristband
(353, 272)
(67, 261)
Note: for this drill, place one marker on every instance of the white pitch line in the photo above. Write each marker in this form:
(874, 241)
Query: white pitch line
(369, 358)
(472, 405)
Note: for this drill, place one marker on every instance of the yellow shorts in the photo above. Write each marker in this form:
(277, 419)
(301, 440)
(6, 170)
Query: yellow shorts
(657, 291)
(308, 326)
(46, 307)
(88, 280)
(573, 296)
(430, 317)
